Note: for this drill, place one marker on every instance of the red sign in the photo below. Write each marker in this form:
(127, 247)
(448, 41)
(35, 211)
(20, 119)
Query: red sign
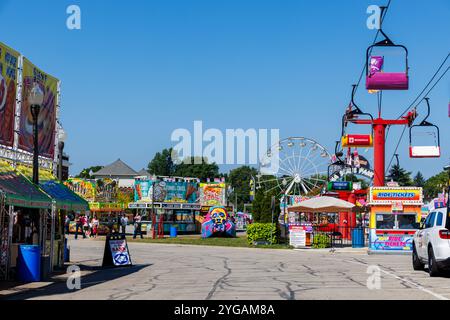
(357, 140)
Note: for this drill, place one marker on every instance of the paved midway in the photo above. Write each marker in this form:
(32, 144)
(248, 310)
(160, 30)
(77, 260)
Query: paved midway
(195, 272)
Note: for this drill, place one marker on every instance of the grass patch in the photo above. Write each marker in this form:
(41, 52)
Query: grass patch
(197, 240)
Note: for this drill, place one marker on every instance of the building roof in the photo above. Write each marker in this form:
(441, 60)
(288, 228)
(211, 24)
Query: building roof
(115, 169)
(143, 172)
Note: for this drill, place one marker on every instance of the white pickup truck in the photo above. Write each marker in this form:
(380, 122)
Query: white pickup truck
(431, 243)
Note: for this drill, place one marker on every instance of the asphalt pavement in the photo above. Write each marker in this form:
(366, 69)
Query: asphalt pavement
(178, 272)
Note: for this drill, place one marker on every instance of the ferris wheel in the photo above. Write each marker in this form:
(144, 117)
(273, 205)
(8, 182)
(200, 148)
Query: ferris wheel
(294, 166)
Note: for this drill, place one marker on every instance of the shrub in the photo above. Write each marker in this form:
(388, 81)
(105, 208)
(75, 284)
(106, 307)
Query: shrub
(321, 240)
(262, 232)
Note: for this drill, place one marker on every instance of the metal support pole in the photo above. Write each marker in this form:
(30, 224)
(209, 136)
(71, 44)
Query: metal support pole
(379, 154)
(52, 235)
(35, 109)
(60, 164)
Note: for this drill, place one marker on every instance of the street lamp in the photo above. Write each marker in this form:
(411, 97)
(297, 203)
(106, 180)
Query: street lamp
(35, 100)
(62, 136)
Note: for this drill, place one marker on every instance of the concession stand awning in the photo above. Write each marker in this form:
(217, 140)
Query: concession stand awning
(19, 191)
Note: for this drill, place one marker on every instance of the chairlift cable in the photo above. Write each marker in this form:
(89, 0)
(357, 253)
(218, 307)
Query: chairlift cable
(429, 82)
(395, 151)
(374, 41)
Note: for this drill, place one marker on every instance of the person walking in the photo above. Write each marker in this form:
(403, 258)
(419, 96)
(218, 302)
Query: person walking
(137, 225)
(124, 223)
(95, 224)
(79, 225)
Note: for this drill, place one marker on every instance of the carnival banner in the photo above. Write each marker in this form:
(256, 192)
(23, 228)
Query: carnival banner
(166, 191)
(9, 60)
(389, 195)
(47, 116)
(212, 194)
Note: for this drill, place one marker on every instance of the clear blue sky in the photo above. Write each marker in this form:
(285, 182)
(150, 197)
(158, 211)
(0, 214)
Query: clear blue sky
(140, 69)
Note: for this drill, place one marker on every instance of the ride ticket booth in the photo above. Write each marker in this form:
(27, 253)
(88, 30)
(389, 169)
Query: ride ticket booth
(394, 212)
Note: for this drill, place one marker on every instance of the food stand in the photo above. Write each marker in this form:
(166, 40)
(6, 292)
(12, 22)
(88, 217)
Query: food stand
(174, 201)
(393, 214)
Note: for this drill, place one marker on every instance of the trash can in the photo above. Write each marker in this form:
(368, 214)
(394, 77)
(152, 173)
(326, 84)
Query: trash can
(66, 251)
(29, 263)
(173, 232)
(358, 238)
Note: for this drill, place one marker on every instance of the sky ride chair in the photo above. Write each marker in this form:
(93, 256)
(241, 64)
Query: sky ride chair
(427, 151)
(353, 114)
(376, 78)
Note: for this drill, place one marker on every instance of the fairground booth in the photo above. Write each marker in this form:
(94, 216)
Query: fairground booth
(32, 201)
(175, 202)
(33, 215)
(394, 212)
(106, 201)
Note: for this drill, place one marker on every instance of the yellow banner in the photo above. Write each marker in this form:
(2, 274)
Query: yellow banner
(47, 114)
(9, 60)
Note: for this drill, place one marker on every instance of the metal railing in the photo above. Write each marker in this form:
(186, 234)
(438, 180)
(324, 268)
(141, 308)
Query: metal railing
(339, 236)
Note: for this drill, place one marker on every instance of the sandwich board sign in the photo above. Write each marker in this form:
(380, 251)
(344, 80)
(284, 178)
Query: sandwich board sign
(297, 236)
(116, 252)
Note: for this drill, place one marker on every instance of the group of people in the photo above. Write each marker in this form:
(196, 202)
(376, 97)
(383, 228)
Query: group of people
(88, 227)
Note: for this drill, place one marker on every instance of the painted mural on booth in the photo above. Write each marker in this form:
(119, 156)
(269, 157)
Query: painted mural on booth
(166, 191)
(9, 62)
(47, 115)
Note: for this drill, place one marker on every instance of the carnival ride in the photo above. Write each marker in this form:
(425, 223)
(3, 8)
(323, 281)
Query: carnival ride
(294, 166)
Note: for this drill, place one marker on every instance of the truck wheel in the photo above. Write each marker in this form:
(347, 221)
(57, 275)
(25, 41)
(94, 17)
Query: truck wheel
(432, 265)
(417, 264)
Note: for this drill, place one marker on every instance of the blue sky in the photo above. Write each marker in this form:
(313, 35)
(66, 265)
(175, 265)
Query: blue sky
(137, 71)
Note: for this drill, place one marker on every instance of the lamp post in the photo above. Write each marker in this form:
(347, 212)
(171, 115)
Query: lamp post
(35, 99)
(62, 136)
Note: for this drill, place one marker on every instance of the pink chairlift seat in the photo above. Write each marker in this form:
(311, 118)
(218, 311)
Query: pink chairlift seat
(387, 81)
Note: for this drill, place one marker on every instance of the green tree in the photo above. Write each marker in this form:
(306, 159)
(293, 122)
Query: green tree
(197, 168)
(239, 179)
(419, 180)
(85, 173)
(400, 175)
(436, 184)
(262, 205)
(162, 163)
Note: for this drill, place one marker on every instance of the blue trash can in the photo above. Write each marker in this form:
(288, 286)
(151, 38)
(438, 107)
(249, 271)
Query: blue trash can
(66, 251)
(173, 232)
(358, 238)
(29, 263)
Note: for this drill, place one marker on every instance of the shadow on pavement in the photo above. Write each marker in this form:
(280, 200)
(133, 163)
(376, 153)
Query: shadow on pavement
(98, 275)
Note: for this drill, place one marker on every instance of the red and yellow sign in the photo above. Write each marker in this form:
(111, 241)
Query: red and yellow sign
(394, 195)
(47, 115)
(357, 140)
(8, 77)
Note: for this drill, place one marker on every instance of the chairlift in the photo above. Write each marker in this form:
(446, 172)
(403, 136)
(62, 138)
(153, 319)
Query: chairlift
(376, 78)
(428, 151)
(355, 140)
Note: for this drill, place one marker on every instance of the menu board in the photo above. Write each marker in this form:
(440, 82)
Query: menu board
(297, 236)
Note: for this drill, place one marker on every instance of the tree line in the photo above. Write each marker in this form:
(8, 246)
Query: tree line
(239, 179)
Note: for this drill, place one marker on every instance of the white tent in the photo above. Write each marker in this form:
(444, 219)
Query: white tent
(323, 204)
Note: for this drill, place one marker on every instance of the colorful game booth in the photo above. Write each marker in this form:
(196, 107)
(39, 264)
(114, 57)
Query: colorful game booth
(394, 212)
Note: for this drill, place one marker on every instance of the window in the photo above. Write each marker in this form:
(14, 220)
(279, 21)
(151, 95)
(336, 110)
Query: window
(439, 219)
(429, 223)
(406, 221)
(385, 221)
(395, 221)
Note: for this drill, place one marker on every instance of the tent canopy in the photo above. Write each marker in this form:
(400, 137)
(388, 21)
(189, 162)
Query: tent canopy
(65, 199)
(19, 191)
(323, 204)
